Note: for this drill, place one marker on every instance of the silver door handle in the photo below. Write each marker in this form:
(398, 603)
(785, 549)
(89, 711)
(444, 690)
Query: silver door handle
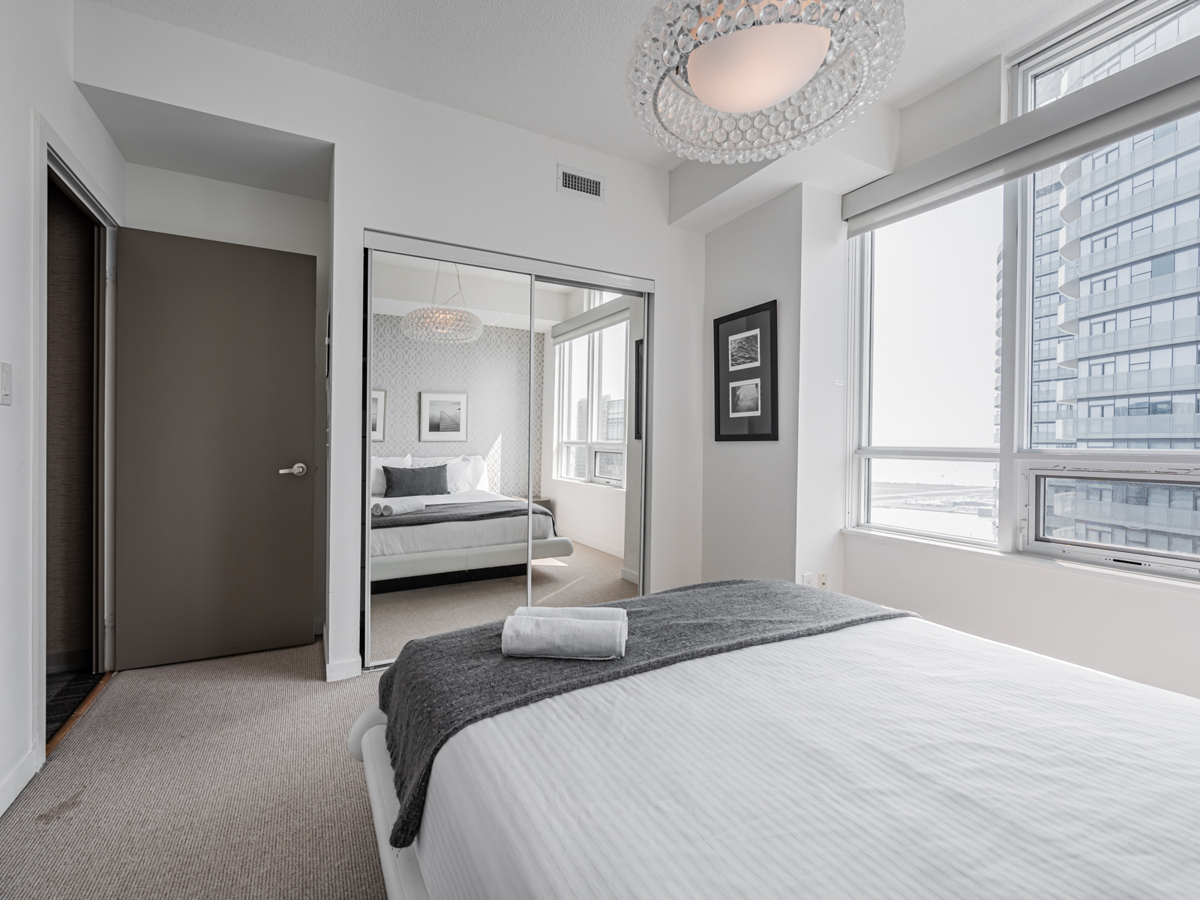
(297, 469)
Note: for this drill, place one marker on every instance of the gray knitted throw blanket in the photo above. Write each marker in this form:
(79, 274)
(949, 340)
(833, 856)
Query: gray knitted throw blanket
(459, 512)
(440, 685)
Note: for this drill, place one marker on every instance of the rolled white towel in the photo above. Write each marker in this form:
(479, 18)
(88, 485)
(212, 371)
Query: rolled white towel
(558, 638)
(395, 506)
(599, 613)
(585, 613)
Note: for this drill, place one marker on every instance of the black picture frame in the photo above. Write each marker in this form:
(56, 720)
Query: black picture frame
(746, 374)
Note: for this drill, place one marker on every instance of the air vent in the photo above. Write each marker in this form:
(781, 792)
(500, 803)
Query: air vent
(572, 181)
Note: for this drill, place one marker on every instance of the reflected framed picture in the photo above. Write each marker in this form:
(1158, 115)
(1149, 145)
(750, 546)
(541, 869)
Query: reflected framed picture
(746, 374)
(378, 415)
(443, 417)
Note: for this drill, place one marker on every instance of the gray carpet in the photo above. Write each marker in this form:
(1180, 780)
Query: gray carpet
(586, 577)
(226, 778)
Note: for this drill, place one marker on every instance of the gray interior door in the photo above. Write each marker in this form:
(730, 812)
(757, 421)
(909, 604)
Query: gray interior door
(214, 396)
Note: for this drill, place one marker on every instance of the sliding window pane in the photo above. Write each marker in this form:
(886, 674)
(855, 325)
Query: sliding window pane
(1114, 269)
(573, 374)
(935, 327)
(572, 461)
(955, 499)
(610, 466)
(1114, 295)
(610, 382)
(1141, 43)
(1144, 516)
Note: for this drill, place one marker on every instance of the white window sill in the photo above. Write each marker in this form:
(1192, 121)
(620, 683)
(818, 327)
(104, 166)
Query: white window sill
(1021, 558)
(591, 484)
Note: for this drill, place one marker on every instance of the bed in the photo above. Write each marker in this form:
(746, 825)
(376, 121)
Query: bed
(889, 758)
(400, 549)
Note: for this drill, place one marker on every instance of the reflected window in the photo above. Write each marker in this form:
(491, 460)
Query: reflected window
(592, 408)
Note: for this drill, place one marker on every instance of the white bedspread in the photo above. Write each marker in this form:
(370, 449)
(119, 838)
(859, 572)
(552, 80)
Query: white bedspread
(895, 760)
(456, 535)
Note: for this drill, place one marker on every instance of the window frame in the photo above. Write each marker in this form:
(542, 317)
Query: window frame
(591, 446)
(1019, 464)
(1128, 559)
(861, 253)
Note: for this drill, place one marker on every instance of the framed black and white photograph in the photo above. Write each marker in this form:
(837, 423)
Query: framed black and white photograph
(443, 417)
(378, 415)
(746, 374)
(744, 350)
(745, 398)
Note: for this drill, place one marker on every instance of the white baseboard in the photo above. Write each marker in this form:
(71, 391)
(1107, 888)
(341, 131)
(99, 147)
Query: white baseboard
(629, 575)
(602, 546)
(343, 669)
(16, 780)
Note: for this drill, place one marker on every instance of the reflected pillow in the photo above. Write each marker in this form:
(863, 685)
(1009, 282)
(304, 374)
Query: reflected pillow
(415, 482)
(467, 473)
(378, 482)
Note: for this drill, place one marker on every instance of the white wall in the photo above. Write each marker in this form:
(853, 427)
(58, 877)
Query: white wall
(187, 205)
(750, 486)
(775, 509)
(411, 167)
(35, 91)
(967, 106)
(592, 514)
(1129, 625)
(824, 376)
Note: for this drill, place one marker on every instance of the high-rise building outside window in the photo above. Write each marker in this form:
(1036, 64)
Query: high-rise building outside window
(1115, 306)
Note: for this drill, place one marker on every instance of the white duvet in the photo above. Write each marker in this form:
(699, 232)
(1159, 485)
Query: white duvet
(896, 760)
(456, 535)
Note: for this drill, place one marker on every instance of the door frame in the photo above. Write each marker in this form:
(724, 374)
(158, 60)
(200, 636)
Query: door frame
(53, 155)
(535, 269)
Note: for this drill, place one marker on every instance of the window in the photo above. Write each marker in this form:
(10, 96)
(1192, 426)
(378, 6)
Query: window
(1094, 265)
(592, 414)
(1116, 512)
(931, 448)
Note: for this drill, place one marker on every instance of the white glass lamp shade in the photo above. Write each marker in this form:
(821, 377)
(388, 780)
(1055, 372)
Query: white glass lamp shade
(728, 81)
(442, 325)
(756, 68)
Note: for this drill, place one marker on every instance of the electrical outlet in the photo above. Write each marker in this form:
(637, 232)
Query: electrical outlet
(5, 384)
(810, 579)
(822, 580)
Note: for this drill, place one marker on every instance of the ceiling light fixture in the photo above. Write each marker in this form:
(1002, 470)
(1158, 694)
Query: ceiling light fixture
(443, 324)
(741, 81)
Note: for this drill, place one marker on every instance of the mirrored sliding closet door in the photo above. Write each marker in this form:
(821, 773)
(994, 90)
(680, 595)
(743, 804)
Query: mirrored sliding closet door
(449, 430)
(504, 442)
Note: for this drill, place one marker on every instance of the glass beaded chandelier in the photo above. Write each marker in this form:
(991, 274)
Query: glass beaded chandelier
(741, 81)
(443, 323)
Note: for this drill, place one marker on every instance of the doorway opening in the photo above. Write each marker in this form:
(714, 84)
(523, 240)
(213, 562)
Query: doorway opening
(75, 341)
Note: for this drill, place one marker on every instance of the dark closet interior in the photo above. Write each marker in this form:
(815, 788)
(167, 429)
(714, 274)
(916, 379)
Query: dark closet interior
(73, 328)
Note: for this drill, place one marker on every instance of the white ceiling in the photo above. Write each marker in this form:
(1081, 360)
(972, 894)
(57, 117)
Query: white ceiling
(149, 133)
(558, 68)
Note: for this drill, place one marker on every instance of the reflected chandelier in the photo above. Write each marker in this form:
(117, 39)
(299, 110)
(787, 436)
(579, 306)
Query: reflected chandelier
(741, 81)
(443, 324)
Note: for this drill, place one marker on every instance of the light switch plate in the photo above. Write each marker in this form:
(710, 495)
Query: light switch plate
(5, 384)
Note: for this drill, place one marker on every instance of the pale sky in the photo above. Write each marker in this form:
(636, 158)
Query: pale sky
(934, 336)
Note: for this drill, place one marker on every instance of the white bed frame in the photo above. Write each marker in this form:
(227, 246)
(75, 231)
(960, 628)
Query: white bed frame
(401, 872)
(434, 562)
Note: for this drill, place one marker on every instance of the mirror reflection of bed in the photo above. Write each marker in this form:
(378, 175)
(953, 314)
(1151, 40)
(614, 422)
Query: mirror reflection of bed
(454, 425)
